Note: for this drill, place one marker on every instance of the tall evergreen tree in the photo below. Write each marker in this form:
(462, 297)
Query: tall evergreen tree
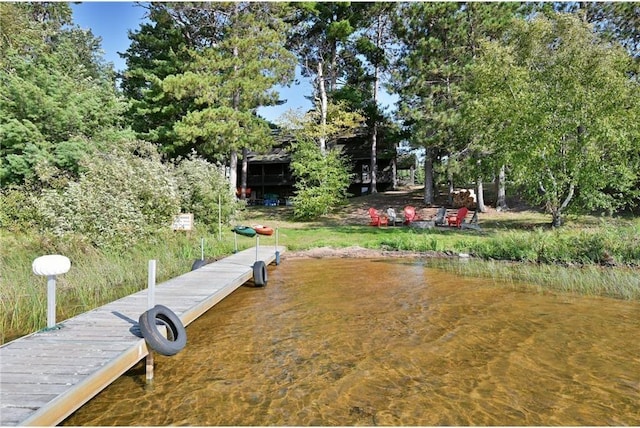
(229, 80)
(374, 44)
(56, 92)
(158, 49)
(320, 39)
(437, 42)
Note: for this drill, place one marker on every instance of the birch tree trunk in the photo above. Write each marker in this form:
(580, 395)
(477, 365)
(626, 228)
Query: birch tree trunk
(233, 160)
(243, 177)
(374, 133)
(323, 108)
(394, 173)
(501, 200)
(450, 179)
(233, 170)
(480, 196)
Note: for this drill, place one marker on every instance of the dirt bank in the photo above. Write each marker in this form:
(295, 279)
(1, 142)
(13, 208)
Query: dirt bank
(360, 252)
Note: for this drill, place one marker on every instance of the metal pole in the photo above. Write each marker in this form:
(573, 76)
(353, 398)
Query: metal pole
(51, 301)
(277, 252)
(151, 282)
(219, 219)
(257, 245)
(151, 302)
(235, 242)
(201, 248)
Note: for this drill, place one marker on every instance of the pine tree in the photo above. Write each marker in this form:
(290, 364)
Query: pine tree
(229, 80)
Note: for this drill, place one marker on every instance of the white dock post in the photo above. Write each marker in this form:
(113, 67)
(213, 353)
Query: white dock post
(235, 242)
(151, 285)
(51, 301)
(50, 266)
(257, 245)
(151, 302)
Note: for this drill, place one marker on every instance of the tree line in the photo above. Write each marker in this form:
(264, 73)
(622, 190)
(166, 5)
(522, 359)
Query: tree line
(543, 96)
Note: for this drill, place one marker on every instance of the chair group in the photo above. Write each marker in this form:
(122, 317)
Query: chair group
(410, 216)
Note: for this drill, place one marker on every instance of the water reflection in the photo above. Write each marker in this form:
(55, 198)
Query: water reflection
(389, 342)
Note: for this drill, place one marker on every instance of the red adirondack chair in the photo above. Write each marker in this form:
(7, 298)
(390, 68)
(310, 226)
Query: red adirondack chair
(457, 219)
(410, 215)
(377, 219)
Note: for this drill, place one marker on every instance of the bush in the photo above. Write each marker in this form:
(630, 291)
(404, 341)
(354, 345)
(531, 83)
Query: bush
(18, 209)
(321, 180)
(121, 196)
(201, 186)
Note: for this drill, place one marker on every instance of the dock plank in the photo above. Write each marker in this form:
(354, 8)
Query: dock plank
(46, 376)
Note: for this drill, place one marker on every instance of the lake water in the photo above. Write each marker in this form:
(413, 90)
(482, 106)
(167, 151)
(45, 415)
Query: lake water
(389, 342)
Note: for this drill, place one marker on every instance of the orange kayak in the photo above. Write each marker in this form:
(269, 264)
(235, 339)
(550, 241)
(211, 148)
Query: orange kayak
(263, 230)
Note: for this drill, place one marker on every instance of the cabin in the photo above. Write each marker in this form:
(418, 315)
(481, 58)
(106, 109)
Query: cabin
(270, 180)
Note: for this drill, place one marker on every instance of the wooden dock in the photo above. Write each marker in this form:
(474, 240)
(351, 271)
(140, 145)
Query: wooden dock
(46, 376)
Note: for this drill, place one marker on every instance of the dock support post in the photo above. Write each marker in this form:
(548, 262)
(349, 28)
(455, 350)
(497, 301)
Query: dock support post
(219, 219)
(151, 282)
(235, 242)
(149, 366)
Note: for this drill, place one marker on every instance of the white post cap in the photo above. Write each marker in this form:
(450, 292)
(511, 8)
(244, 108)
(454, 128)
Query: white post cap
(51, 265)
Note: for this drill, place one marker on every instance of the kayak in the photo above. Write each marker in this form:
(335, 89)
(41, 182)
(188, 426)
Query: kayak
(263, 230)
(244, 231)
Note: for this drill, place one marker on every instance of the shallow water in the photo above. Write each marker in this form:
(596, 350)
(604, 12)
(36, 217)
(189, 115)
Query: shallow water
(389, 342)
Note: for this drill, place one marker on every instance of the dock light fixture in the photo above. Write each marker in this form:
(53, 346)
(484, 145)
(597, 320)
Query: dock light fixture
(50, 266)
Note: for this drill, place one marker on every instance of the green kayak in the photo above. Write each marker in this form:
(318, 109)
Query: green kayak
(244, 231)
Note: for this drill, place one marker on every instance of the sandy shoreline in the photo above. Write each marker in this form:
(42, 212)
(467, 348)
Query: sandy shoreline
(358, 252)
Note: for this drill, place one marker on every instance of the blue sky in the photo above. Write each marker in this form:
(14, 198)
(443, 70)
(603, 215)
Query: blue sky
(112, 20)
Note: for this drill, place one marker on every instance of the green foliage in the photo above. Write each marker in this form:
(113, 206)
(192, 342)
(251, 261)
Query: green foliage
(55, 91)
(18, 209)
(158, 49)
(341, 123)
(122, 196)
(230, 78)
(558, 105)
(202, 187)
(321, 180)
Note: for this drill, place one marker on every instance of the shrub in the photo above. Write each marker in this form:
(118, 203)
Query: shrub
(321, 180)
(18, 209)
(121, 196)
(201, 186)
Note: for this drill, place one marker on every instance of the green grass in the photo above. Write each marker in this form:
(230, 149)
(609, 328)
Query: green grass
(567, 260)
(95, 278)
(589, 280)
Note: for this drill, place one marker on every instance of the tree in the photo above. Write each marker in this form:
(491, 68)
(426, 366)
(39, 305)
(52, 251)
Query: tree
(158, 49)
(373, 40)
(321, 178)
(560, 104)
(320, 36)
(229, 80)
(56, 92)
(437, 43)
